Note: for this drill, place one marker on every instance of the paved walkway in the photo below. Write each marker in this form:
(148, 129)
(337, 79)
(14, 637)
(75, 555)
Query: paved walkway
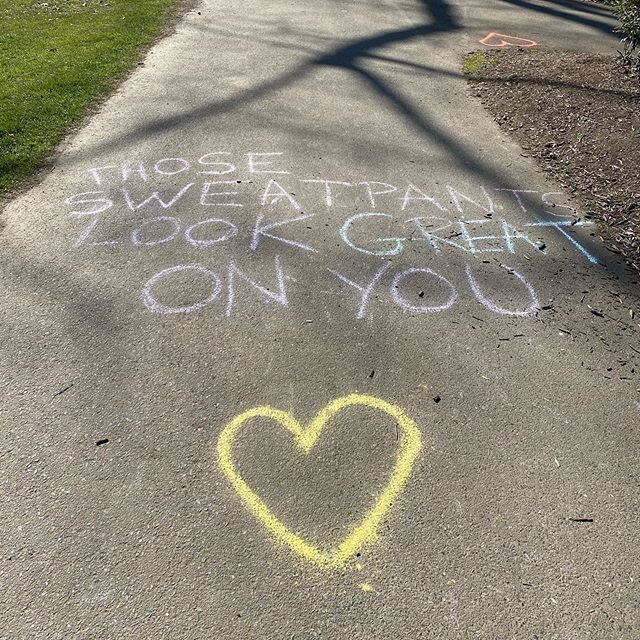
(298, 344)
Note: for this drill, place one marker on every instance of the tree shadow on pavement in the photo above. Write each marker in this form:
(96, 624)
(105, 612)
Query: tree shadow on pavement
(347, 56)
(601, 25)
(583, 7)
(441, 19)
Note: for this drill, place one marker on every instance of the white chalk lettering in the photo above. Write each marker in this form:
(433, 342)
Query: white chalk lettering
(102, 201)
(156, 196)
(492, 206)
(420, 223)
(371, 193)
(328, 191)
(406, 306)
(421, 196)
(458, 197)
(229, 168)
(180, 165)
(516, 194)
(232, 231)
(510, 234)
(157, 307)
(559, 224)
(207, 193)
(95, 173)
(531, 310)
(346, 227)
(277, 195)
(262, 230)
(254, 163)
(83, 238)
(471, 240)
(545, 200)
(365, 292)
(280, 296)
(134, 167)
(174, 222)
(429, 234)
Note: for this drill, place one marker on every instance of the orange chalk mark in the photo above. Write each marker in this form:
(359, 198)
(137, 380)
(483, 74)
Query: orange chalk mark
(501, 40)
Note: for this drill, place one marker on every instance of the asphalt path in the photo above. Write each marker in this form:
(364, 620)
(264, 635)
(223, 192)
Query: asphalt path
(358, 369)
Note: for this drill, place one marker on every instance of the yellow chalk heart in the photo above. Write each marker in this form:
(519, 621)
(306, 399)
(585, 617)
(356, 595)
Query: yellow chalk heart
(305, 438)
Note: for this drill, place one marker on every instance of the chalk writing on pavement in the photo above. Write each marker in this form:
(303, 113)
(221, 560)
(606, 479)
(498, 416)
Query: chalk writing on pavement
(259, 205)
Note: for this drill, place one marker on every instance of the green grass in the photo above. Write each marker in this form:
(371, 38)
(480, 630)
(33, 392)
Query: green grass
(474, 62)
(56, 59)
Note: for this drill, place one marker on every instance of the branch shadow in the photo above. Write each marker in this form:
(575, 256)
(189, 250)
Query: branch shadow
(443, 20)
(524, 79)
(584, 7)
(440, 18)
(599, 25)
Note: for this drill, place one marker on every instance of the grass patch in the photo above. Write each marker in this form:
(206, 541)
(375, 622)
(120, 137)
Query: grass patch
(56, 59)
(474, 62)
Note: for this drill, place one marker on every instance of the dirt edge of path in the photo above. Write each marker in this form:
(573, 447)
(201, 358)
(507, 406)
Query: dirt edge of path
(579, 116)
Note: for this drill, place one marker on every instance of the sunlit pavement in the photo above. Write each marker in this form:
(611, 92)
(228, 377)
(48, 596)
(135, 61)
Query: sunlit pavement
(298, 344)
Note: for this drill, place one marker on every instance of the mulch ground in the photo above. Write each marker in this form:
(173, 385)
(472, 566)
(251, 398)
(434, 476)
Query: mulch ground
(579, 115)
